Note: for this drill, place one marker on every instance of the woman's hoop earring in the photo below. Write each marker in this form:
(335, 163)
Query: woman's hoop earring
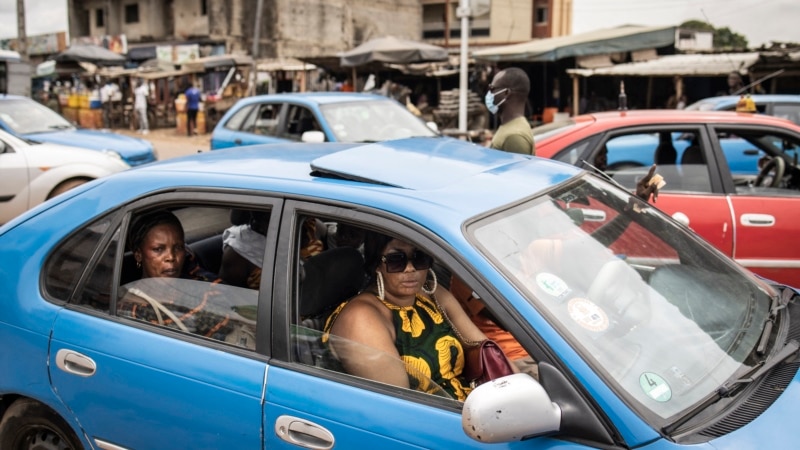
(379, 282)
(138, 264)
(425, 288)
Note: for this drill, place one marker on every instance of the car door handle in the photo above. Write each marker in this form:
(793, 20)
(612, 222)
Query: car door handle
(757, 220)
(73, 362)
(237, 141)
(303, 433)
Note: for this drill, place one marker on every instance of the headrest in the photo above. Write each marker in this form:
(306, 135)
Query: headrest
(330, 278)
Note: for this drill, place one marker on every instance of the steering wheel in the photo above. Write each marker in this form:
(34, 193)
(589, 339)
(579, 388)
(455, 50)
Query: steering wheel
(778, 165)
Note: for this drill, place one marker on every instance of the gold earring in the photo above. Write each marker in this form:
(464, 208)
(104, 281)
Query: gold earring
(427, 290)
(379, 282)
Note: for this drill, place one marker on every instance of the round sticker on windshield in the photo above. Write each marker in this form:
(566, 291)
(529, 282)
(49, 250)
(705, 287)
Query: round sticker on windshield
(587, 314)
(551, 284)
(655, 387)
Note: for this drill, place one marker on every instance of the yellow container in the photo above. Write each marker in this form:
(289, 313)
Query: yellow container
(74, 101)
(201, 122)
(84, 101)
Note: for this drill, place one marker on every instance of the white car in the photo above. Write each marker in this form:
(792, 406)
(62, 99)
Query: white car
(32, 172)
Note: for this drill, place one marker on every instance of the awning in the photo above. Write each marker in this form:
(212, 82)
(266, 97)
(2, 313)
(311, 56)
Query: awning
(141, 53)
(287, 64)
(678, 65)
(211, 62)
(625, 38)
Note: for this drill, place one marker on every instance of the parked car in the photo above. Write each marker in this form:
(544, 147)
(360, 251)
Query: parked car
(779, 105)
(32, 172)
(644, 335)
(26, 118)
(316, 117)
(750, 217)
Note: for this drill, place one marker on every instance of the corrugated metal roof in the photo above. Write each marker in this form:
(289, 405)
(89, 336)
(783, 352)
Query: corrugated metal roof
(625, 38)
(684, 65)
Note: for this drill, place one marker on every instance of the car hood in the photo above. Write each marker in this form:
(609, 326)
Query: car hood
(126, 146)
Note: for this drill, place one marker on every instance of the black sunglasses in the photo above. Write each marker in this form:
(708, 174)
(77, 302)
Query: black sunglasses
(398, 261)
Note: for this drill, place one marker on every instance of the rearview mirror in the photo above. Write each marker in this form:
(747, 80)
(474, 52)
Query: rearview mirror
(510, 408)
(313, 136)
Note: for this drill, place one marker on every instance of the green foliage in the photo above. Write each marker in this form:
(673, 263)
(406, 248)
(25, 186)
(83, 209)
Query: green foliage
(724, 38)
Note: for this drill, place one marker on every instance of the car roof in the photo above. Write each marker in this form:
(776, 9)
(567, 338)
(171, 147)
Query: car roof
(416, 175)
(729, 100)
(651, 116)
(319, 98)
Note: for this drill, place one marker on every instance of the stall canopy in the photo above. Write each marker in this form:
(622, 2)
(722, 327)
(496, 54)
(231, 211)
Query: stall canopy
(625, 38)
(678, 65)
(90, 53)
(211, 62)
(392, 50)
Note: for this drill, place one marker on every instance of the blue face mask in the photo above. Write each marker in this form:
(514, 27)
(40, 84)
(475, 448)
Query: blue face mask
(489, 100)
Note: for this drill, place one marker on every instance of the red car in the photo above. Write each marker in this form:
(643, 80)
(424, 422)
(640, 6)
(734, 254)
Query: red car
(732, 177)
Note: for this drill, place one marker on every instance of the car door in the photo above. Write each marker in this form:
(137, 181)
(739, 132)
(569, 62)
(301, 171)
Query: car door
(136, 384)
(312, 403)
(14, 180)
(693, 191)
(766, 218)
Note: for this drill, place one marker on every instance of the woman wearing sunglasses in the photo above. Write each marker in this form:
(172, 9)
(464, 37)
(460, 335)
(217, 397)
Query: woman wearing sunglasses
(406, 317)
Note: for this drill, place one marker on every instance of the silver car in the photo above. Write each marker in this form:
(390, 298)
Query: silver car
(32, 172)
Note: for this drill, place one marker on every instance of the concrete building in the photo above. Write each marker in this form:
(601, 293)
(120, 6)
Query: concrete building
(288, 28)
(498, 22)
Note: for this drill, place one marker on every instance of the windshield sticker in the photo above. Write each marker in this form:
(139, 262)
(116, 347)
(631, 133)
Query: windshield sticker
(551, 284)
(655, 387)
(587, 314)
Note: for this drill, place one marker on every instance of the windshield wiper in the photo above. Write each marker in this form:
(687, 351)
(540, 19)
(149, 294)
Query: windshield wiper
(731, 387)
(778, 303)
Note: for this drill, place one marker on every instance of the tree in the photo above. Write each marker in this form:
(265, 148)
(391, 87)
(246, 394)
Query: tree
(724, 38)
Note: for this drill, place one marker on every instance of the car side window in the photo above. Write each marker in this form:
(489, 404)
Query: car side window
(679, 154)
(328, 279)
(299, 120)
(266, 119)
(573, 154)
(237, 121)
(66, 265)
(787, 111)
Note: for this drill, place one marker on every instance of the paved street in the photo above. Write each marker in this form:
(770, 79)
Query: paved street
(169, 144)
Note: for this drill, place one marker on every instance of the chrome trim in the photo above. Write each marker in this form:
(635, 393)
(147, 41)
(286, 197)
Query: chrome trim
(770, 263)
(107, 445)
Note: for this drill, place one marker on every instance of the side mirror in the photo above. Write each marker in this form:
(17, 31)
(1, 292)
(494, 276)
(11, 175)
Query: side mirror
(511, 408)
(432, 126)
(313, 136)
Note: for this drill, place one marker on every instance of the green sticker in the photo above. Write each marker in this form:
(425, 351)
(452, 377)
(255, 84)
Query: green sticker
(655, 387)
(551, 284)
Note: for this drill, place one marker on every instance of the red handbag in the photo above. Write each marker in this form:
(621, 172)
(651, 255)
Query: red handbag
(485, 362)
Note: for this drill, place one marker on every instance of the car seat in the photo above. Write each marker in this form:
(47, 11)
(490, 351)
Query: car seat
(665, 153)
(326, 280)
(692, 154)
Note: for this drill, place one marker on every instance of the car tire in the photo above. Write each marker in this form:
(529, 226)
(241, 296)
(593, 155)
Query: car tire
(64, 186)
(28, 424)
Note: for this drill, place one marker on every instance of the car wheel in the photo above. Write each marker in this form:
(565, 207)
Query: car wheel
(64, 186)
(29, 425)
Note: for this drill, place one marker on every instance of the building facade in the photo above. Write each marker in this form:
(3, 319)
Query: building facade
(288, 28)
(496, 22)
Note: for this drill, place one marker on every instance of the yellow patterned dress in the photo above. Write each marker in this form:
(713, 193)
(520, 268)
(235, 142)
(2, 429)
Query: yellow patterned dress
(426, 343)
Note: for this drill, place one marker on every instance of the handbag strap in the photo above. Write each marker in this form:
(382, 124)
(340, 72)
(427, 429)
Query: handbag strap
(467, 342)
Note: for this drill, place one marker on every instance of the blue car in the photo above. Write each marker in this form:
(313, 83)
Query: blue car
(316, 117)
(785, 106)
(641, 334)
(30, 120)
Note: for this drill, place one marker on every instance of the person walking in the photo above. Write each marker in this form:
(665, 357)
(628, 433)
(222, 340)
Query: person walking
(506, 98)
(140, 106)
(192, 106)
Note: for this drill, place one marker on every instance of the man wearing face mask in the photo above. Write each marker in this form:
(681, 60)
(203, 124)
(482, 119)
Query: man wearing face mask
(506, 99)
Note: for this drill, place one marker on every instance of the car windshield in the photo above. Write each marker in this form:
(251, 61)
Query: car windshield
(27, 116)
(661, 315)
(373, 121)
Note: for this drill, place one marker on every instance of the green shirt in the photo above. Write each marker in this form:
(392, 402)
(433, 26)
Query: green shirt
(515, 136)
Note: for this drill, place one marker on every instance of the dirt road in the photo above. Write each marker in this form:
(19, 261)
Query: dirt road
(169, 144)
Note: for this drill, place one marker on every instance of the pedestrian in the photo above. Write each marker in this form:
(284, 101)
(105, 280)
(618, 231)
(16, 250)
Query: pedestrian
(140, 106)
(106, 98)
(192, 106)
(506, 98)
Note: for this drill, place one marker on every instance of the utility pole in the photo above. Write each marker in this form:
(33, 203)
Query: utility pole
(463, 12)
(22, 38)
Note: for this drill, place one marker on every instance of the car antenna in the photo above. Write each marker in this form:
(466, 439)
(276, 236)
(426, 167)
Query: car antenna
(758, 81)
(604, 175)
(623, 99)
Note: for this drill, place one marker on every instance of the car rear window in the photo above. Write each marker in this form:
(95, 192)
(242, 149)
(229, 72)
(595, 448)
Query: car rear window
(552, 128)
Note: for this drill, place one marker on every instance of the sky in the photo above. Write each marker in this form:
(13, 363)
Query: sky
(760, 21)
